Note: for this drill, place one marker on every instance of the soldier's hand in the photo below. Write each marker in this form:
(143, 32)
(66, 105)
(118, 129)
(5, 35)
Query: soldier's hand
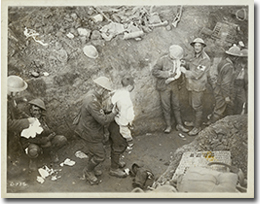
(51, 136)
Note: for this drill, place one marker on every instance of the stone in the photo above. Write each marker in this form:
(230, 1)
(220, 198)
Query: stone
(84, 32)
(95, 35)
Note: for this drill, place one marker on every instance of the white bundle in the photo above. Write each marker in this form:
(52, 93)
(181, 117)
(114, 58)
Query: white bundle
(32, 130)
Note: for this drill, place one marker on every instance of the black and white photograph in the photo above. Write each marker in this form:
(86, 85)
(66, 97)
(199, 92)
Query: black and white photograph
(140, 99)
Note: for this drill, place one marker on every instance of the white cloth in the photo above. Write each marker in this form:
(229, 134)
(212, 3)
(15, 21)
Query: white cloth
(32, 130)
(124, 104)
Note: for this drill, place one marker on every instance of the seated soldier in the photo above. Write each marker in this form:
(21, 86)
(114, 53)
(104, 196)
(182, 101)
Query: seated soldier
(47, 139)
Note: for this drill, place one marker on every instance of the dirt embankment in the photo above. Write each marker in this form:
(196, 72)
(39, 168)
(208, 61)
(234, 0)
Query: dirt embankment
(227, 134)
(58, 50)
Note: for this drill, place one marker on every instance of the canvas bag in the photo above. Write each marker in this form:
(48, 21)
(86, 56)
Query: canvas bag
(201, 179)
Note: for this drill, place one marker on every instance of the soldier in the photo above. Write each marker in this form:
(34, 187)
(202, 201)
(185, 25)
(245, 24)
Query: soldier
(47, 140)
(90, 126)
(224, 89)
(241, 84)
(196, 75)
(167, 71)
(16, 119)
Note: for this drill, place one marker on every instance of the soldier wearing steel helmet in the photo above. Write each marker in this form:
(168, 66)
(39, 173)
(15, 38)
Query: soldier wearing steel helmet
(224, 89)
(16, 119)
(241, 83)
(46, 141)
(167, 72)
(90, 126)
(196, 73)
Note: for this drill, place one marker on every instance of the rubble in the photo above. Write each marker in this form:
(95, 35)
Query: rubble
(177, 18)
(135, 34)
(68, 162)
(97, 18)
(81, 155)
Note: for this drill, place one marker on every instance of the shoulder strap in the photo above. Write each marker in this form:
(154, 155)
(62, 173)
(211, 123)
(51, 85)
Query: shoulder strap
(224, 66)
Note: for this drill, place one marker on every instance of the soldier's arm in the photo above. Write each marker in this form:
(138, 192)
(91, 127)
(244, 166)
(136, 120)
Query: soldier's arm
(98, 114)
(158, 72)
(199, 72)
(227, 81)
(17, 125)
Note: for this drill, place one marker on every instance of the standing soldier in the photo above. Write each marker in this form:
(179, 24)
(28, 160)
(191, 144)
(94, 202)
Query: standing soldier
(167, 71)
(241, 84)
(224, 89)
(196, 73)
(90, 126)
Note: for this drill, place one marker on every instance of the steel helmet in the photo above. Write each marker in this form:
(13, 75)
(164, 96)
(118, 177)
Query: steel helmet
(104, 82)
(244, 53)
(16, 84)
(176, 52)
(38, 102)
(234, 51)
(198, 40)
(90, 51)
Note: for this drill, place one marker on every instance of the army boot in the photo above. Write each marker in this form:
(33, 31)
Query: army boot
(89, 172)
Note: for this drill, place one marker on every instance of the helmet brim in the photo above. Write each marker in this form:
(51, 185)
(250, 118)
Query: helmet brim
(192, 44)
(105, 87)
(11, 89)
(233, 54)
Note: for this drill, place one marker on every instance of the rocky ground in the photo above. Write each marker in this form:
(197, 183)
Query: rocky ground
(57, 70)
(153, 149)
(158, 151)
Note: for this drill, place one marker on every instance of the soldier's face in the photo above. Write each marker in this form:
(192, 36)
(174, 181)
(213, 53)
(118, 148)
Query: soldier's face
(35, 111)
(198, 48)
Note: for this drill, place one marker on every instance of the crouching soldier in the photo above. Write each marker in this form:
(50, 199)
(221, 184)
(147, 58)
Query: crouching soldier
(47, 140)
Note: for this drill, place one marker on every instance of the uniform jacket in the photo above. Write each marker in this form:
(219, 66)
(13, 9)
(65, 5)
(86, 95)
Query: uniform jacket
(16, 119)
(161, 72)
(39, 137)
(225, 78)
(197, 72)
(92, 119)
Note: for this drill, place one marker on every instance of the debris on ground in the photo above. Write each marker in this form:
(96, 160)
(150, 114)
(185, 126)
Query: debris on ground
(68, 162)
(177, 18)
(45, 172)
(81, 155)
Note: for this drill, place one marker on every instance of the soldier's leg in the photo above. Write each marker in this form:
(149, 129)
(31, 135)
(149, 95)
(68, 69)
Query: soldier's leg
(56, 143)
(198, 108)
(33, 151)
(176, 109)
(220, 107)
(98, 152)
(118, 146)
(165, 97)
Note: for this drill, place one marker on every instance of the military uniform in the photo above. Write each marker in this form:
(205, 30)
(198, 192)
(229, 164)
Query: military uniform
(52, 144)
(16, 122)
(196, 75)
(90, 126)
(241, 89)
(224, 88)
(169, 93)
